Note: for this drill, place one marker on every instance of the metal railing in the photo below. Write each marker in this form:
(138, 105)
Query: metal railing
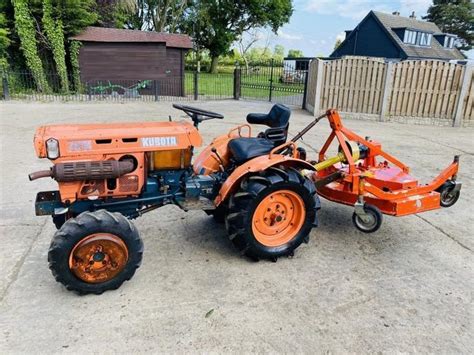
(191, 86)
(266, 81)
(275, 81)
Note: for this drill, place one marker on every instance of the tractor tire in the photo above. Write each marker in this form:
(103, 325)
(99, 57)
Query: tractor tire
(219, 213)
(95, 252)
(60, 219)
(272, 213)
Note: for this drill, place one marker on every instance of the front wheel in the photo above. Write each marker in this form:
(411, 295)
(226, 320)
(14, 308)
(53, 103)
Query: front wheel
(95, 252)
(272, 213)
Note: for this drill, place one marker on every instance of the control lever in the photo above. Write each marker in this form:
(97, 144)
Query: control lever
(221, 165)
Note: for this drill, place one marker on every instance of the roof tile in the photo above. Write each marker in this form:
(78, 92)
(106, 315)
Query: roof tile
(435, 51)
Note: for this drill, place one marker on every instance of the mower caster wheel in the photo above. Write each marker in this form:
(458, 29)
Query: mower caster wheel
(449, 194)
(370, 221)
(95, 252)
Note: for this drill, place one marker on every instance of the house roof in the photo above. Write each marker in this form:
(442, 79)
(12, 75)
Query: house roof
(299, 58)
(435, 51)
(100, 34)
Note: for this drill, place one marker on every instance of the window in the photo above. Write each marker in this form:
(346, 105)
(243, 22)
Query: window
(301, 65)
(409, 37)
(417, 38)
(448, 42)
(424, 39)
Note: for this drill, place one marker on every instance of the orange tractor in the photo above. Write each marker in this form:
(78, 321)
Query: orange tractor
(262, 187)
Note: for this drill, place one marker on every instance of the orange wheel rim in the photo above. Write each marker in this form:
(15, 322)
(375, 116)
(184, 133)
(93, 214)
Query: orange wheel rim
(98, 257)
(278, 218)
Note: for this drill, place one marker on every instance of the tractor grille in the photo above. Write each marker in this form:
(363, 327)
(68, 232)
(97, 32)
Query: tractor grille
(128, 183)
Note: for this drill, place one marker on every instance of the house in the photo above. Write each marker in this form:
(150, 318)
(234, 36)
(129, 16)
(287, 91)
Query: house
(396, 37)
(133, 59)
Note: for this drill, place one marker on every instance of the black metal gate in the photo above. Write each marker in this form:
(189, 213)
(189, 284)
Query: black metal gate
(284, 82)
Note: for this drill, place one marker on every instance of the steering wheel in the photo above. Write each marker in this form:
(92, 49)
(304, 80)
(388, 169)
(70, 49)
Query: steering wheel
(198, 115)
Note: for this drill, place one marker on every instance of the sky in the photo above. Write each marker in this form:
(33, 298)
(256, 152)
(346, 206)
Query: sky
(316, 24)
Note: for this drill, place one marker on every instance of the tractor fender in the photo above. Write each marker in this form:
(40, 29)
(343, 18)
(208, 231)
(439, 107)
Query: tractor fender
(254, 165)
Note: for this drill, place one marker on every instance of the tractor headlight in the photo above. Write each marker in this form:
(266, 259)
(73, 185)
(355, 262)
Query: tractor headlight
(52, 148)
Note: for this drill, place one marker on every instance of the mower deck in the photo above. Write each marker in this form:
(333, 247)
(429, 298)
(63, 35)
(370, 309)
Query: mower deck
(355, 177)
(401, 203)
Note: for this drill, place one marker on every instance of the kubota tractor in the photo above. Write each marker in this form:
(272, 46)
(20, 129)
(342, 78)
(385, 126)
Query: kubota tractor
(262, 187)
(111, 173)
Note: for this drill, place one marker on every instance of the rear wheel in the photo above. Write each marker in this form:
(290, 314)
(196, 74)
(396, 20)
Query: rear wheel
(272, 213)
(219, 213)
(95, 252)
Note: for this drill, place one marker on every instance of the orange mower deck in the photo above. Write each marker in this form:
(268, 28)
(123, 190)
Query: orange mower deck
(356, 176)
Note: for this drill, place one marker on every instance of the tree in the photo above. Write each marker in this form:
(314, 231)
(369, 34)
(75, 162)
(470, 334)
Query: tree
(216, 24)
(4, 39)
(111, 12)
(338, 43)
(53, 27)
(245, 43)
(456, 17)
(26, 31)
(61, 19)
(295, 53)
(278, 52)
(41, 30)
(148, 15)
(76, 15)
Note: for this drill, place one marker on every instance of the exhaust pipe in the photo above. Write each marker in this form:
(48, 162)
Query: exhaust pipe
(86, 170)
(40, 174)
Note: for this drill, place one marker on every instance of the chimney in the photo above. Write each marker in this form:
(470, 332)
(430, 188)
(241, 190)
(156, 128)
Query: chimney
(413, 15)
(396, 13)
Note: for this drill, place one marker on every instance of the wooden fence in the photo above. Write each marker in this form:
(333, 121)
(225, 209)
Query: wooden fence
(421, 90)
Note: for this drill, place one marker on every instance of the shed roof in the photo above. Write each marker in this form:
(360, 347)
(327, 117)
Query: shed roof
(436, 50)
(101, 34)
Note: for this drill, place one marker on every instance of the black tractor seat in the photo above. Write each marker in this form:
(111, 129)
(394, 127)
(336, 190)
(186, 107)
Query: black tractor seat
(278, 117)
(243, 149)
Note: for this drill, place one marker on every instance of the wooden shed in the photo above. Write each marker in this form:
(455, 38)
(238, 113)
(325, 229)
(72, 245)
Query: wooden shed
(120, 58)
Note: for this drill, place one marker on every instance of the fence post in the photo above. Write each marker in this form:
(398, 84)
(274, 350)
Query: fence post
(318, 89)
(157, 90)
(237, 72)
(196, 81)
(466, 81)
(387, 90)
(6, 91)
(305, 90)
(271, 82)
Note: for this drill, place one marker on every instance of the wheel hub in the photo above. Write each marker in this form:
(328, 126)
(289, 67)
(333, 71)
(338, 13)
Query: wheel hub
(98, 257)
(278, 218)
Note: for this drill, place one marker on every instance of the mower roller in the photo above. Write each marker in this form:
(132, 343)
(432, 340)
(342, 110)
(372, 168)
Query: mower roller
(262, 187)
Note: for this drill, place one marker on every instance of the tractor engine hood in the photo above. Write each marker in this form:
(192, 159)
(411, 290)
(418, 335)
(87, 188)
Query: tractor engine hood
(75, 141)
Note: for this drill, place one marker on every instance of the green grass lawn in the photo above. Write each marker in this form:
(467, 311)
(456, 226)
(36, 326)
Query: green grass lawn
(253, 85)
